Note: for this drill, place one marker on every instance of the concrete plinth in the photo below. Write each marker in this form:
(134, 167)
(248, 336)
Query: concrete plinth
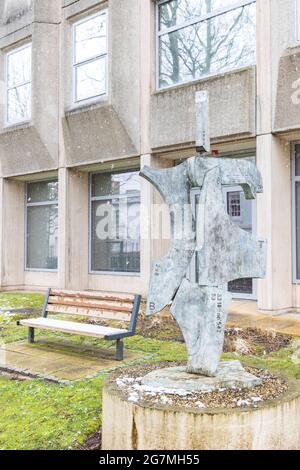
(143, 426)
(229, 374)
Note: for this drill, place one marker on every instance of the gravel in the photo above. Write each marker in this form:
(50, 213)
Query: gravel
(129, 382)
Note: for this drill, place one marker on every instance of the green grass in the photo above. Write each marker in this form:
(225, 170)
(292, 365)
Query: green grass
(39, 415)
(14, 300)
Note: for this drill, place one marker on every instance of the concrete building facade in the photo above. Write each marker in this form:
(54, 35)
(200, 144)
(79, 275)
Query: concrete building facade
(92, 90)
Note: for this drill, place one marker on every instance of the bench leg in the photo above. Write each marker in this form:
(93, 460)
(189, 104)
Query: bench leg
(120, 350)
(30, 335)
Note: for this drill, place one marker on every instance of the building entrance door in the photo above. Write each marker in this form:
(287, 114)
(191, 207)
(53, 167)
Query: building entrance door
(243, 213)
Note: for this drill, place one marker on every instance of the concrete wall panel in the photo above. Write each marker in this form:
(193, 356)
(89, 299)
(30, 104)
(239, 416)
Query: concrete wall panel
(23, 152)
(232, 109)
(95, 135)
(287, 106)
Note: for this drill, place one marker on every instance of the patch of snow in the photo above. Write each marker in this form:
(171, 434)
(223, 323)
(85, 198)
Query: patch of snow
(243, 402)
(256, 399)
(133, 397)
(199, 404)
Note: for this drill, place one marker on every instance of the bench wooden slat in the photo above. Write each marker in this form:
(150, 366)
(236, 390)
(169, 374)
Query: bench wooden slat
(71, 327)
(109, 306)
(94, 296)
(89, 312)
(86, 303)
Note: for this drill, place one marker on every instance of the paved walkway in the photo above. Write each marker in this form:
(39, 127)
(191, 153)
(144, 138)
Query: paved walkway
(63, 361)
(245, 314)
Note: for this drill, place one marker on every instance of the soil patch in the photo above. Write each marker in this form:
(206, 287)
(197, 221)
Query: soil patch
(93, 442)
(14, 376)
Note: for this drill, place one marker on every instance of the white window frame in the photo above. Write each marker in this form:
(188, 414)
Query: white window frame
(8, 88)
(101, 198)
(195, 20)
(295, 179)
(35, 204)
(90, 60)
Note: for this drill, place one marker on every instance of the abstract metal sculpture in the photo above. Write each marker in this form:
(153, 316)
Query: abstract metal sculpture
(224, 252)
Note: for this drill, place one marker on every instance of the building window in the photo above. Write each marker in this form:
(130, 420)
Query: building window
(197, 38)
(115, 222)
(298, 19)
(18, 80)
(42, 225)
(234, 203)
(90, 57)
(296, 210)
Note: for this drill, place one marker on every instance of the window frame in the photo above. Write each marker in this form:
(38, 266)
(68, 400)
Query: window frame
(99, 198)
(9, 53)
(75, 65)
(195, 20)
(35, 204)
(298, 20)
(295, 179)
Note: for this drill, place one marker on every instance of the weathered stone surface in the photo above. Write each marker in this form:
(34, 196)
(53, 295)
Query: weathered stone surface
(227, 253)
(201, 313)
(167, 274)
(224, 252)
(203, 124)
(233, 172)
(132, 426)
(229, 374)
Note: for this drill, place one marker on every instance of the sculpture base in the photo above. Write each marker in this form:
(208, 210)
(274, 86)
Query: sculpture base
(230, 374)
(133, 423)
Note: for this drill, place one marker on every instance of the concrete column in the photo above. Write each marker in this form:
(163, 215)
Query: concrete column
(76, 231)
(274, 222)
(12, 233)
(264, 66)
(273, 160)
(62, 227)
(146, 211)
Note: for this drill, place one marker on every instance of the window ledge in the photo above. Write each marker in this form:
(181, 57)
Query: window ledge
(206, 78)
(87, 106)
(16, 127)
(114, 273)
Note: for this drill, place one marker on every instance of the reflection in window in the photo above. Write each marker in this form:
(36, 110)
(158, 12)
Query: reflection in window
(115, 222)
(18, 79)
(197, 38)
(90, 57)
(42, 225)
(296, 191)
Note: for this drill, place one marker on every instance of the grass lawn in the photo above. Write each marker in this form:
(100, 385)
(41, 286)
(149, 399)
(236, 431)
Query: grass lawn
(40, 415)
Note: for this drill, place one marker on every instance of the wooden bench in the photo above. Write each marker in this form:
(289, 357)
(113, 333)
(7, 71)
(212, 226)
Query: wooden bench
(120, 307)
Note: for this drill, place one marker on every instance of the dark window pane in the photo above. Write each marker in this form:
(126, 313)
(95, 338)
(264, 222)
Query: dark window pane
(109, 184)
(42, 237)
(297, 160)
(115, 235)
(42, 191)
(213, 46)
(298, 229)
(241, 286)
